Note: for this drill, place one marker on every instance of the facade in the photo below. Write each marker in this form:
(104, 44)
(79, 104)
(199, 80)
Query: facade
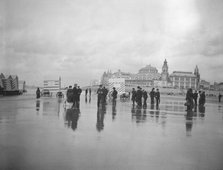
(149, 76)
(118, 83)
(52, 85)
(184, 80)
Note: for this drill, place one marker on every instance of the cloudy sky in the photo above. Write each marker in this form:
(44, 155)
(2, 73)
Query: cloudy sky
(80, 39)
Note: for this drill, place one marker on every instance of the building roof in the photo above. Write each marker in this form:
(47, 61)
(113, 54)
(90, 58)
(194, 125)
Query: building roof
(182, 74)
(148, 69)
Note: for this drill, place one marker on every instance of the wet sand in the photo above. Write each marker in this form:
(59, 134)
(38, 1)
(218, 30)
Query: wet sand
(42, 134)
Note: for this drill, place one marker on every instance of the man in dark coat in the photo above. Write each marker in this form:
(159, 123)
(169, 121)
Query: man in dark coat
(152, 95)
(145, 96)
(75, 96)
(195, 95)
(139, 96)
(100, 95)
(157, 95)
(133, 96)
(114, 95)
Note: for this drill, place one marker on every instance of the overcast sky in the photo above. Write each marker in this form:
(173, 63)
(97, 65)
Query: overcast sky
(80, 39)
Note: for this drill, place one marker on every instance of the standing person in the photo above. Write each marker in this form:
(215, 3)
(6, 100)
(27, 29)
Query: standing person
(105, 92)
(75, 96)
(189, 99)
(114, 95)
(219, 97)
(69, 94)
(152, 95)
(145, 96)
(139, 96)
(38, 93)
(133, 96)
(157, 95)
(195, 96)
(202, 99)
(79, 91)
(100, 95)
(86, 91)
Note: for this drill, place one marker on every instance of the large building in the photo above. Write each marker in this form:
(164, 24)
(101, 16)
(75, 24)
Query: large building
(149, 76)
(184, 80)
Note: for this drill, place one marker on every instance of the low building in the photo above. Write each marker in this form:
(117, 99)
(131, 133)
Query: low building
(52, 85)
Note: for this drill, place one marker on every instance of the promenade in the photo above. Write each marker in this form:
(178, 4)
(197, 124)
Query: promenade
(43, 135)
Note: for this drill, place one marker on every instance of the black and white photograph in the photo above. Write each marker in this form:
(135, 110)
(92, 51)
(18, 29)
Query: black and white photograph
(111, 85)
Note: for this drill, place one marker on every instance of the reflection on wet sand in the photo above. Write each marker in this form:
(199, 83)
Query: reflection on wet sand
(114, 112)
(71, 118)
(37, 106)
(101, 111)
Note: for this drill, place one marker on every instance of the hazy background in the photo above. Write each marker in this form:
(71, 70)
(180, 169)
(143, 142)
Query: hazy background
(80, 39)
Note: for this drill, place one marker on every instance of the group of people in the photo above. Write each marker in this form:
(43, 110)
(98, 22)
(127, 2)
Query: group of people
(140, 93)
(73, 95)
(102, 93)
(192, 98)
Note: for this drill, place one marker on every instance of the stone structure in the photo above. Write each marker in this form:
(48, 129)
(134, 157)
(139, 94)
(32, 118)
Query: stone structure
(184, 80)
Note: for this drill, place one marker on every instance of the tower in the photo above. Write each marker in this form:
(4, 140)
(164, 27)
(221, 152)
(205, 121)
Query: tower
(197, 74)
(164, 74)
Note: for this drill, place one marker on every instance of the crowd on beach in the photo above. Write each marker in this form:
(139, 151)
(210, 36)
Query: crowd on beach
(193, 97)
(139, 96)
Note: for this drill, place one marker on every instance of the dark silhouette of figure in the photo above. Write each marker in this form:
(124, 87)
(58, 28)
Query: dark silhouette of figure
(114, 95)
(72, 116)
(100, 117)
(133, 96)
(139, 97)
(219, 97)
(145, 96)
(69, 94)
(195, 96)
(104, 96)
(100, 95)
(157, 95)
(189, 100)
(75, 96)
(86, 99)
(202, 98)
(152, 95)
(38, 93)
